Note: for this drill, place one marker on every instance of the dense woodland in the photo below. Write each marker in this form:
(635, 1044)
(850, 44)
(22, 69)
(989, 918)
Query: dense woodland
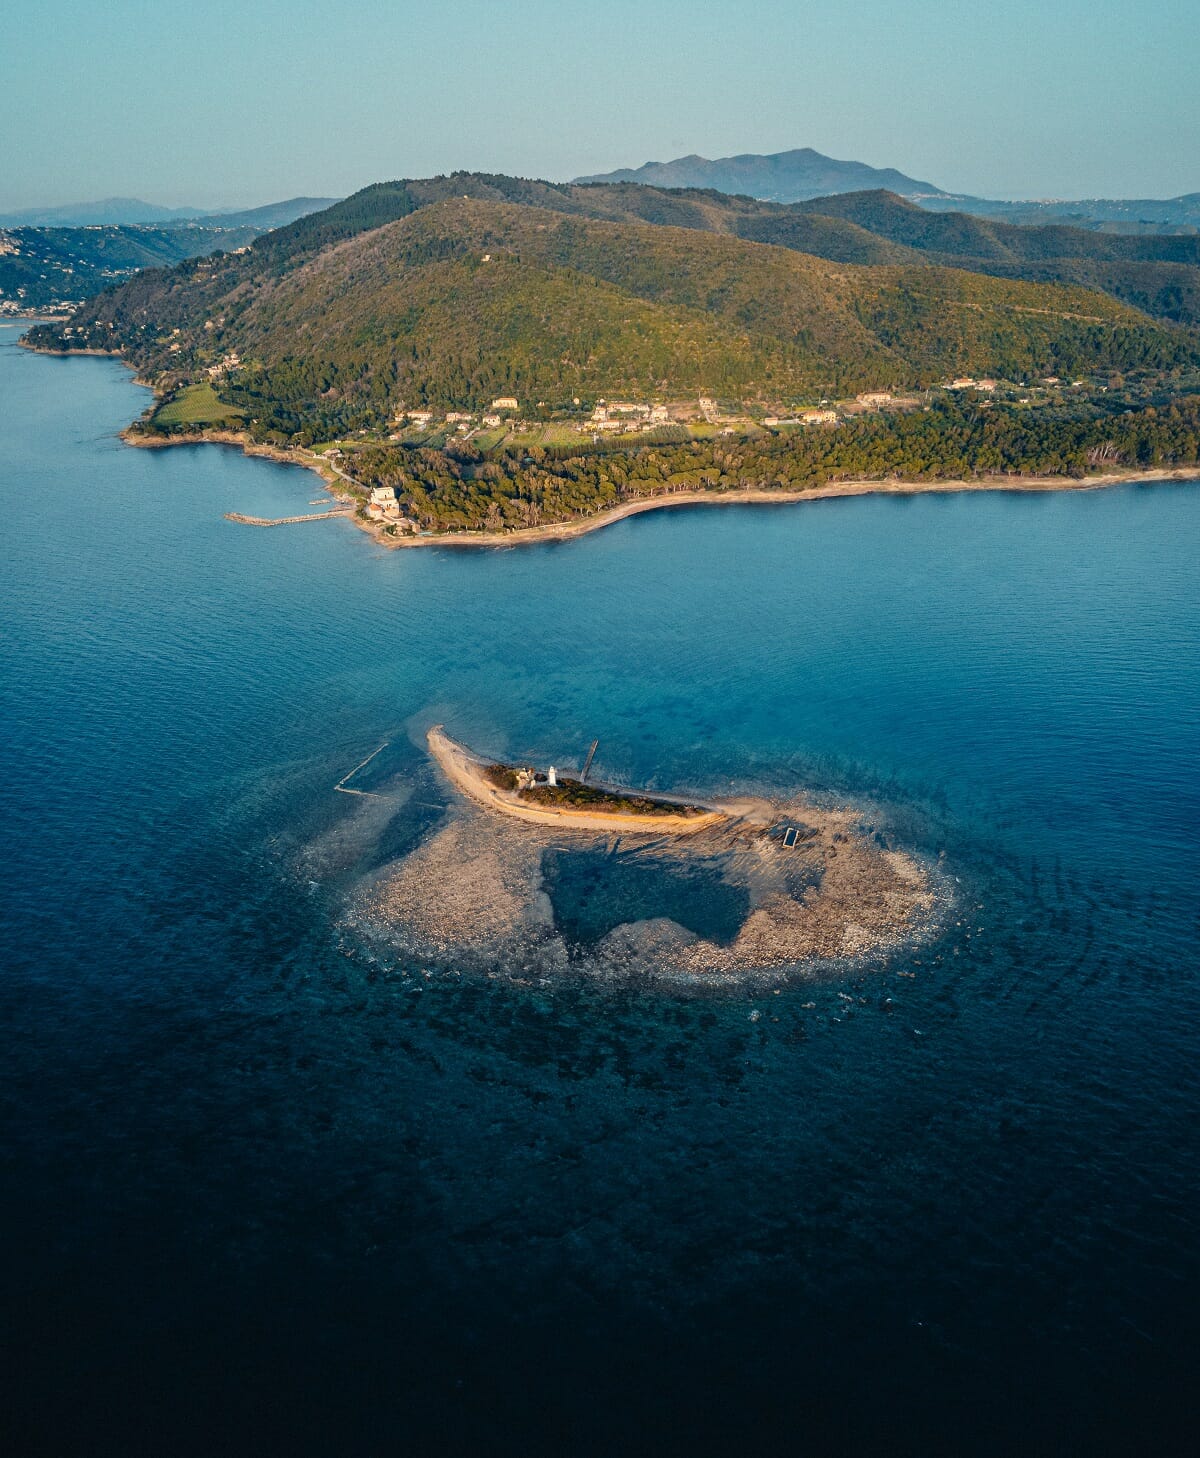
(460, 489)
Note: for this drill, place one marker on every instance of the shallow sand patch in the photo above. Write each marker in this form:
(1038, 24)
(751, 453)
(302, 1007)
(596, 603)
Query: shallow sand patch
(474, 895)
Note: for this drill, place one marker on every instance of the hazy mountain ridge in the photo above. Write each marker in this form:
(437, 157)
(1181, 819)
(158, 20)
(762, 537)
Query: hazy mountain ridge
(132, 212)
(802, 174)
(775, 177)
(107, 212)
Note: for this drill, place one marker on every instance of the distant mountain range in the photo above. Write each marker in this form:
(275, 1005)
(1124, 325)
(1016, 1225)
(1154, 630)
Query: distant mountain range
(803, 174)
(51, 265)
(108, 212)
(778, 177)
(271, 215)
(133, 212)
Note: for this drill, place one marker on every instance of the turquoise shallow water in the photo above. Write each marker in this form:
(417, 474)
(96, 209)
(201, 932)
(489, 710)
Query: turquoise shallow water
(267, 1186)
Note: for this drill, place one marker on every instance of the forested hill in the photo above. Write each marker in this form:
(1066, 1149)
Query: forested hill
(1157, 274)
(335, 323)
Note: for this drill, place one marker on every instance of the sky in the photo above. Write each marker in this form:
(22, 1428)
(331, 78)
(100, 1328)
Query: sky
(239, 102)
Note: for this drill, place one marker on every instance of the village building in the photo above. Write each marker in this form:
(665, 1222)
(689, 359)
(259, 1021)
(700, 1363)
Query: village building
(875, 397)
(382, 504)
(230, 362)
(504, 402)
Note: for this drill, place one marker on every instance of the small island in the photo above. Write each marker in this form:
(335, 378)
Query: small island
(539, 871)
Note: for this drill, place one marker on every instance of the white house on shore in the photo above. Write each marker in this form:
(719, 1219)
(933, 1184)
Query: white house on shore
(383, 506)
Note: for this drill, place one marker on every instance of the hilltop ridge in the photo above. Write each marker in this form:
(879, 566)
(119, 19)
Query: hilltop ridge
(802, 174)
(452, 291)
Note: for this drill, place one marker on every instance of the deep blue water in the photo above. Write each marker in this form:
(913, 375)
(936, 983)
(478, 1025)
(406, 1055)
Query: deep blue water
(268, 1189)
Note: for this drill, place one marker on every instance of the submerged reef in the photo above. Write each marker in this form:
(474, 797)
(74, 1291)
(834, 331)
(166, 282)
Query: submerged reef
(758, 885)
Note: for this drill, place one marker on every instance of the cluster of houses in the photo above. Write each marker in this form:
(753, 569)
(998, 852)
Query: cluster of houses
(626, 415)
(230, 362)
(462, 420)
(805, 417)
(631, 417)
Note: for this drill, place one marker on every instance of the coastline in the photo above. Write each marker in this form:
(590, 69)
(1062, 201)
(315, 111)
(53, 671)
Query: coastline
(581, 526)
(755, 496)
(465, 773)
(285, 455)
(336, 481)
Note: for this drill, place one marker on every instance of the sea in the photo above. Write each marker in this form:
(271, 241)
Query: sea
(271, 1185)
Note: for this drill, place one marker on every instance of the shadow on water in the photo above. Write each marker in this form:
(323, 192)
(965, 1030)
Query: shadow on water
(409, 826)
(592, 892)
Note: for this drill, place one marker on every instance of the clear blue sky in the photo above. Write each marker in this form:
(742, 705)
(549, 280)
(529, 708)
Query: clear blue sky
(245, 101)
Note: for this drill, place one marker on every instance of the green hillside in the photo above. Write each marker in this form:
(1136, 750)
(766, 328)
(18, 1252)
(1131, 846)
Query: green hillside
(1159, 274)
(336, 320)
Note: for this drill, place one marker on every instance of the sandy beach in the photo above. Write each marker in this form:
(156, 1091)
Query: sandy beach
(467, 774)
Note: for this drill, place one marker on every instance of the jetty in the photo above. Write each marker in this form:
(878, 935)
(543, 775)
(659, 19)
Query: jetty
(267, 521)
